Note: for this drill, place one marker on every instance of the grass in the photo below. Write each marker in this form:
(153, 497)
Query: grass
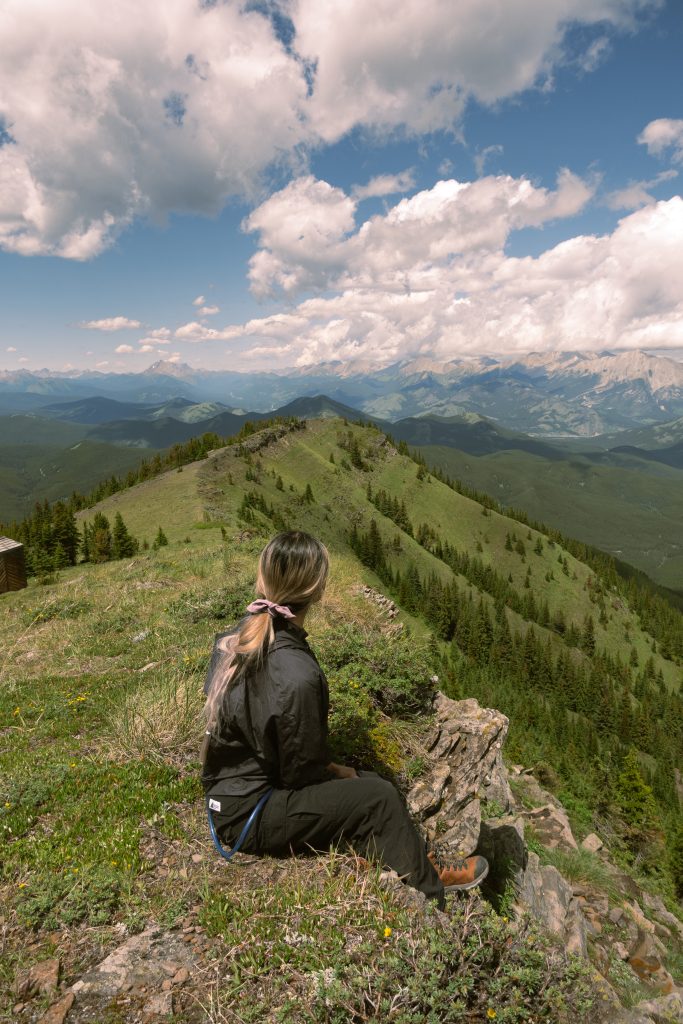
(101, 681)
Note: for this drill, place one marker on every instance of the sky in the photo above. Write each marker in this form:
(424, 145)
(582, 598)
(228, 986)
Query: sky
(281, 183)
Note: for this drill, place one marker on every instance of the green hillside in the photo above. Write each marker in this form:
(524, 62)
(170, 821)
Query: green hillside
(101, 672)
(39, 472)
(633, 511)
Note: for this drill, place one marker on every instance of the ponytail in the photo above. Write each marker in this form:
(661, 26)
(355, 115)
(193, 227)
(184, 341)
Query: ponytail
(292, 574)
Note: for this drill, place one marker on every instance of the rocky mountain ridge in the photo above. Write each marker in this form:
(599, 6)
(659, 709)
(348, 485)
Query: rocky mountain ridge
(577, 394)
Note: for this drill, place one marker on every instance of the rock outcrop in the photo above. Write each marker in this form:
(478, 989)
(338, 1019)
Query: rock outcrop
(466, 767)
(465, 772)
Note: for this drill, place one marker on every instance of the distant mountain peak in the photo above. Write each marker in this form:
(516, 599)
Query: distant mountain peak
(170, 369)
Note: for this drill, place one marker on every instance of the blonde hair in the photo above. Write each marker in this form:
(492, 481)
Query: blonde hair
(292, 571)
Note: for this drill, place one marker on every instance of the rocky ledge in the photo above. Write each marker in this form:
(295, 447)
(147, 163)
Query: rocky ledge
(465, 775)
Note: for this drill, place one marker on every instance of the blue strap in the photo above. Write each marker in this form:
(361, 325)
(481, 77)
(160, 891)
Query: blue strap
(229, 854)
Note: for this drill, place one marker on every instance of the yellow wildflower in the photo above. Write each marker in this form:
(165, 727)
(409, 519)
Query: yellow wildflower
(22, 885)
(387, 933)
(491, 1014)
(7, 805)
(17, 711)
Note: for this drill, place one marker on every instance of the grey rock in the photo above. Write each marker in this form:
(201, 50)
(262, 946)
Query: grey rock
(138, 962)
(664, 1009)
(160, 1005)
(592, 843)
(551, 824)
(549, 899)
(464, 745)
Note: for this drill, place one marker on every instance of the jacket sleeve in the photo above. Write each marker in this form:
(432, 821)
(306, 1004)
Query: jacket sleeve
(301, 724)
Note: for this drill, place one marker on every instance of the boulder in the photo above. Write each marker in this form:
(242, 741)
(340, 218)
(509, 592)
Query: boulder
(665, 1009)
(592, 843)
(464, 746)
(551, 825)
(141, 963)
(58, 1012)
(550, 900)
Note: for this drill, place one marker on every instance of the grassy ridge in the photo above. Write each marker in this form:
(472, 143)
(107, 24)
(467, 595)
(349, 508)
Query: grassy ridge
(100, 697)
(631, 513)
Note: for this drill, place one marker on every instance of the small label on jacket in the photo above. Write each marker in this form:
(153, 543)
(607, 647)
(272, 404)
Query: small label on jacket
(215, 805)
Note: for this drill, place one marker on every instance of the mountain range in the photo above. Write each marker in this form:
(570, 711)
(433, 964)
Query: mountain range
(569, 394)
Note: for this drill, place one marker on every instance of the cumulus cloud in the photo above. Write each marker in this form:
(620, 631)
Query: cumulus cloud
(111, 323)
(199, 301)
(418, 69)
(309, 239)
(195, 331)
(664, 134)
(10, 348)
(147, 348)
(108, 116)
(209, 310)
(124, 349)
(23, 359)
(431, 277)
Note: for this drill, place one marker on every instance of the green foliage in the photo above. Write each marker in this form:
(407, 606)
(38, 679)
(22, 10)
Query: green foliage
(363, 958)
(397, 676)
(227, 604)
(160, 541)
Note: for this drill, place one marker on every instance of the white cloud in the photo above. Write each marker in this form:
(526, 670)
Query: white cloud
(663, 134)
(114, 115)
(150, 339)
(23, 359)
(417, 65)
(103, 362)
(209, 310)
(431, 277)
(385, 185)
(147, 348)
(111, 323)
(124, 349)
(160, 334)
(195, 331)
(11, 348)
(199, 301)
(637, 193)
(309, 238)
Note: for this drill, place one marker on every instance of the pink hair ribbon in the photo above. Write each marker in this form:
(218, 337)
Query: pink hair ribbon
(262, 605)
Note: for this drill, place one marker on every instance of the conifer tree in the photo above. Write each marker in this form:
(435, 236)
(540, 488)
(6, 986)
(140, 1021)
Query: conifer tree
(636, 804)
(100, 539)
(123, 545)
(161, 540)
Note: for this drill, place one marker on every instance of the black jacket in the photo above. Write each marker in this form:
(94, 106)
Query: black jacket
(274, 731)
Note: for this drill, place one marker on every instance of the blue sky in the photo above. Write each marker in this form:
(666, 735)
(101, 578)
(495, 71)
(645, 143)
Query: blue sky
(132, 163)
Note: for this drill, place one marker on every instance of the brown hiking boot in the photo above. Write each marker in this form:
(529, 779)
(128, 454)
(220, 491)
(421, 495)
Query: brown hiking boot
(463, 874)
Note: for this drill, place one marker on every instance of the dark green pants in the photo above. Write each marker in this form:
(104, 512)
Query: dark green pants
(367, 812)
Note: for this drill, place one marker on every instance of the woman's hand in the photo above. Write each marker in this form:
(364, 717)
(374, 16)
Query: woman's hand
(342, 771)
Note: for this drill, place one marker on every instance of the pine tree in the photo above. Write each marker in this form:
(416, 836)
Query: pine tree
(636, 804)
(123, 545)
(100, 539)
(308, 495)
(161, 540)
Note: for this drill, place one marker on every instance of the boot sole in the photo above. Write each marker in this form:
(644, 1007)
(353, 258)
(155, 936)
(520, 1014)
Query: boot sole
(467, 885)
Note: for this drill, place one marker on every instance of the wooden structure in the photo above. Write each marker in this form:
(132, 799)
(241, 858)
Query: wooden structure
(12, 565)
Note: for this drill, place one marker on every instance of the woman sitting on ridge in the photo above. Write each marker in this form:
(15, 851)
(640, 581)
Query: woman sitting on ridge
(267, 705)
